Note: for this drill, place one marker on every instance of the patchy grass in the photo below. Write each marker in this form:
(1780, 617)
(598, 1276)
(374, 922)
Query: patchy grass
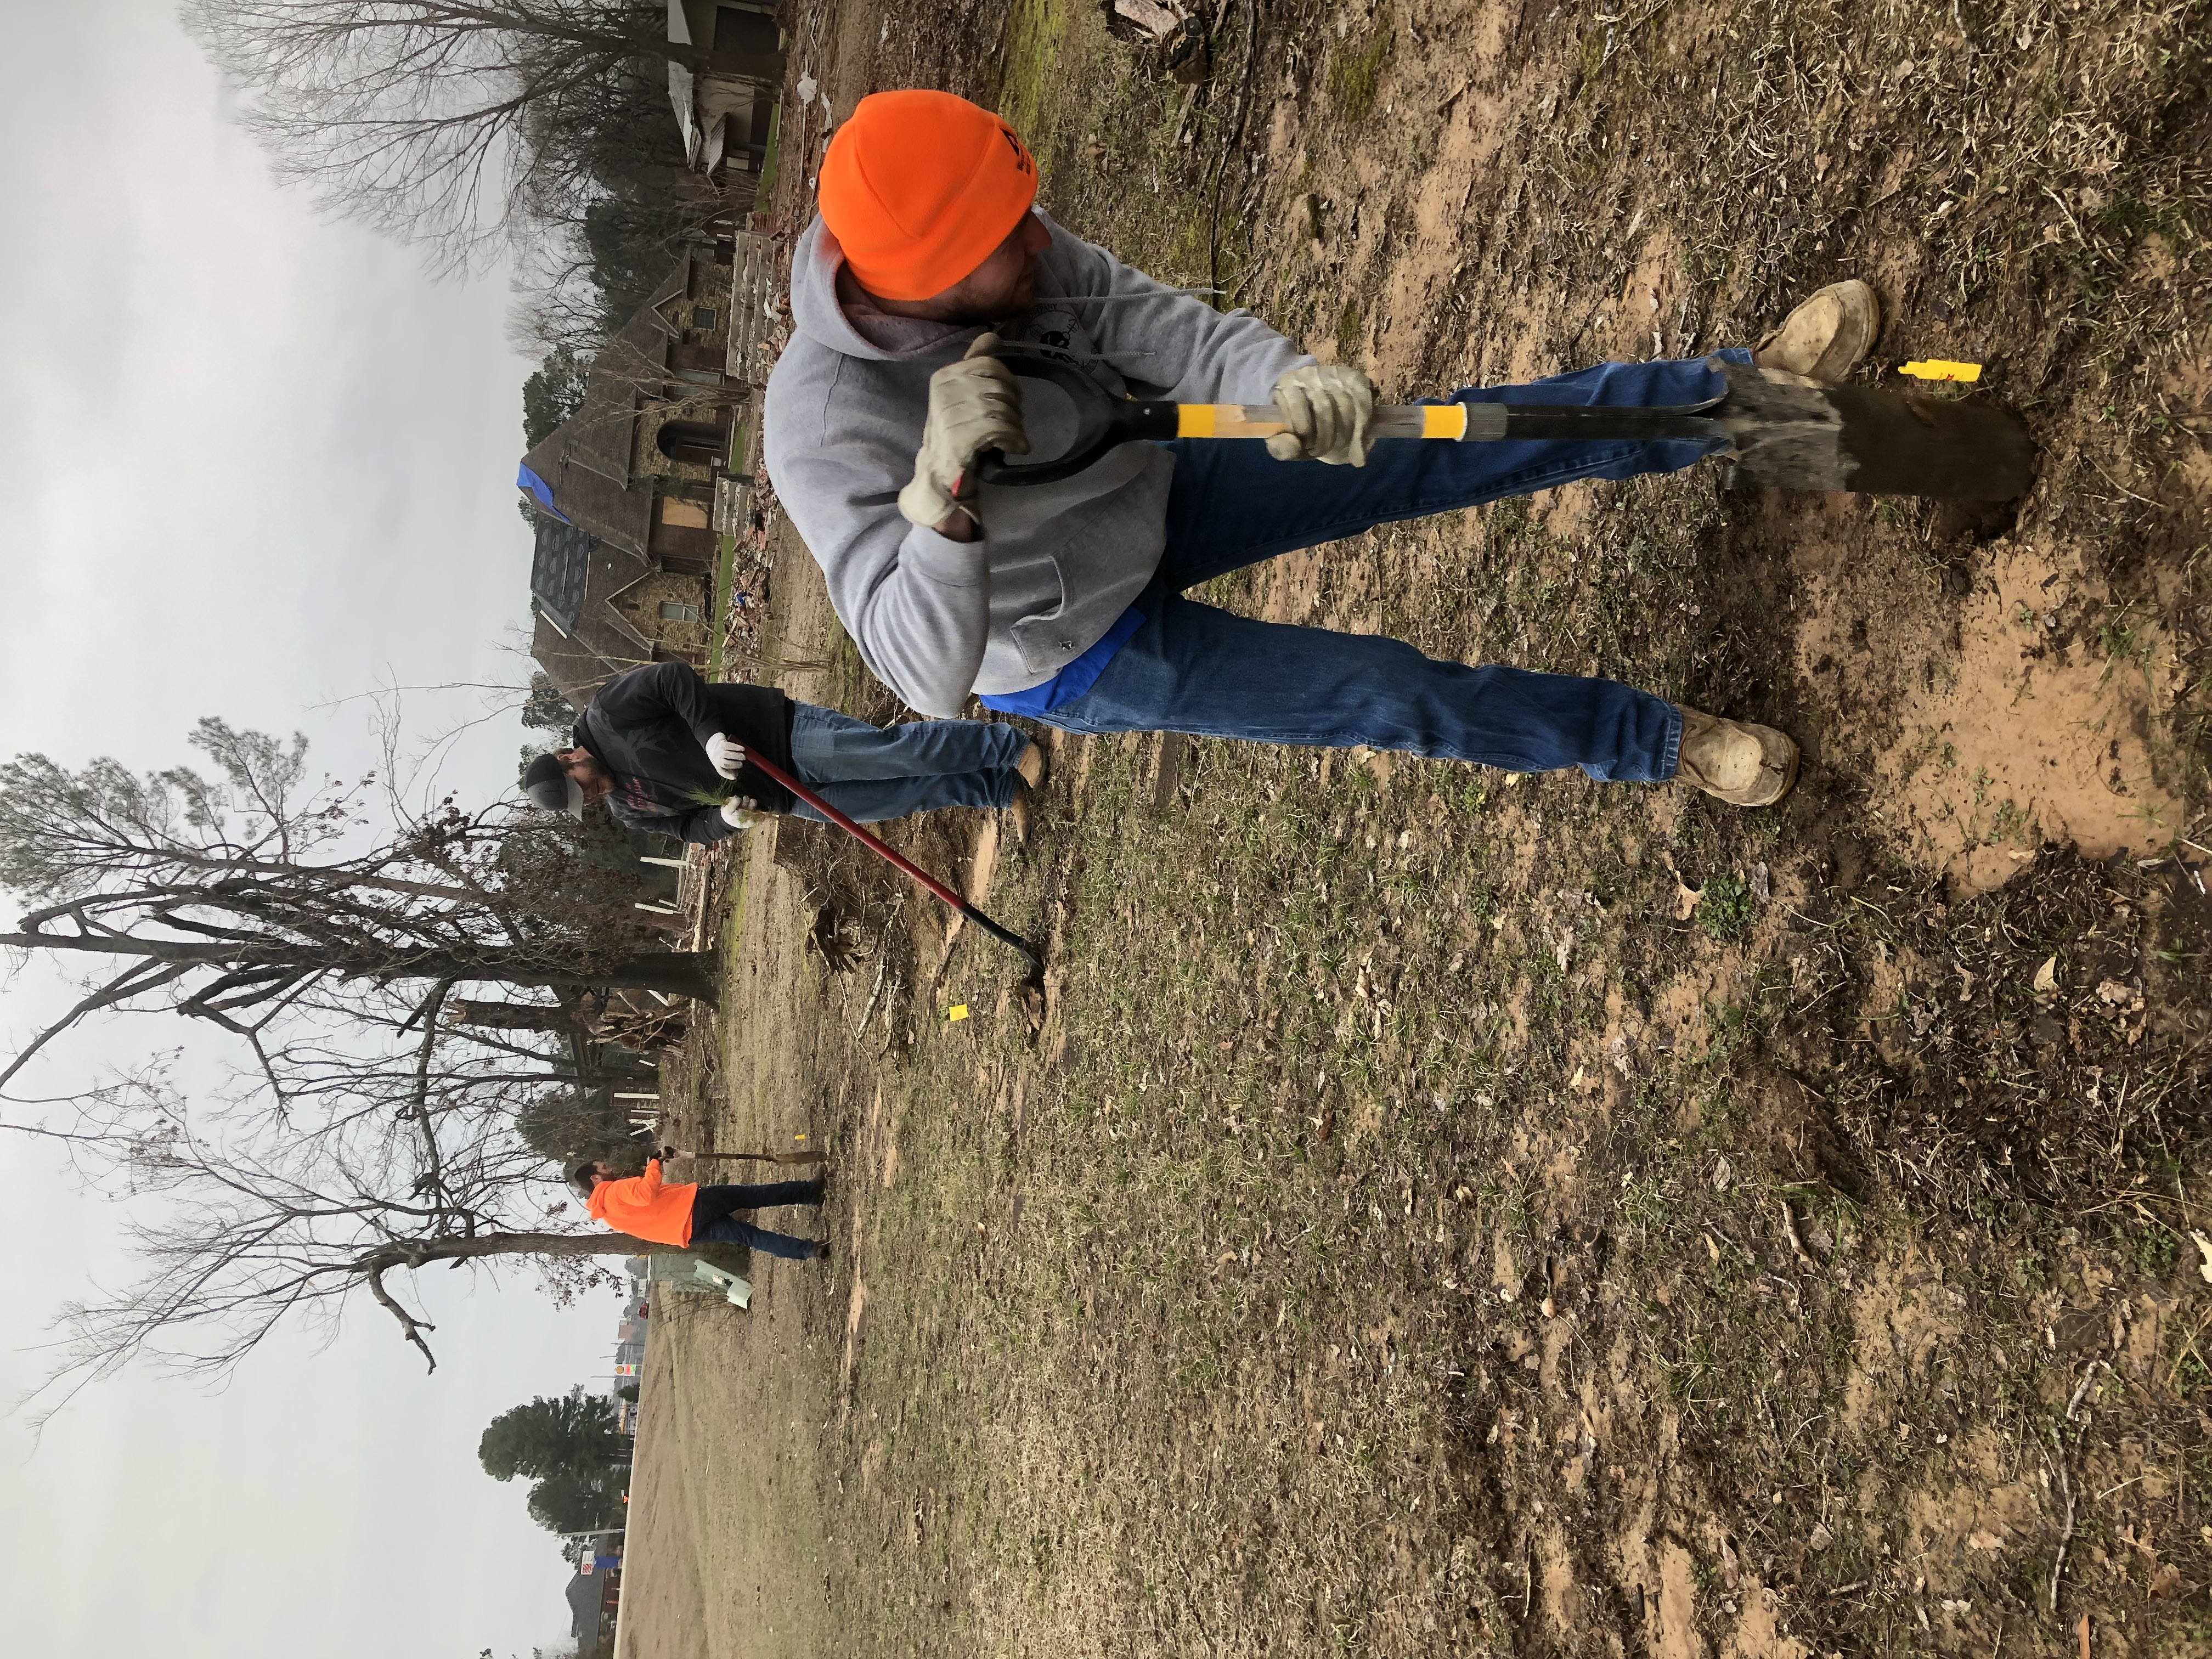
(725, 554)
(1356, 63)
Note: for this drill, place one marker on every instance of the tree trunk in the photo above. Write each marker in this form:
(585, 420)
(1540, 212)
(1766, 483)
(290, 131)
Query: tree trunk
(516, 1016)
(566, 1245)
(694, 974)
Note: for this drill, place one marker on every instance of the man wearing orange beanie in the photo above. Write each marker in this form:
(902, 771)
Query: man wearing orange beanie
(1064, 601)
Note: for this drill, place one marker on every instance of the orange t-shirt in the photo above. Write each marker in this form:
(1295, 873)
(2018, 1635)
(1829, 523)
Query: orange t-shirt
(644, 1208)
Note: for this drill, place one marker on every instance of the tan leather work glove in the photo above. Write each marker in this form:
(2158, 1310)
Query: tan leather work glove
(1328, 406)
(973, 406)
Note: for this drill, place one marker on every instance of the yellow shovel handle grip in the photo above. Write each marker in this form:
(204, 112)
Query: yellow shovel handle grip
(1266, 421)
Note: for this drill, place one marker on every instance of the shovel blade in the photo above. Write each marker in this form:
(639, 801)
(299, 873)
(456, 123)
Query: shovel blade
(1793, 434)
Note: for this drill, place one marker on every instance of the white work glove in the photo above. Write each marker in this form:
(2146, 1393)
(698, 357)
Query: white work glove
(973, 406)
(724, 755)
(737, 813)
(1328, 406)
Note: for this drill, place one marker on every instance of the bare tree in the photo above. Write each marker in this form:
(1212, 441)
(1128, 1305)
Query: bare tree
(243, 1220)
(359, 1130)
(416, 116)
(245, 898)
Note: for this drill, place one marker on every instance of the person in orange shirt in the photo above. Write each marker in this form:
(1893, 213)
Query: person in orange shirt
(679, 1213)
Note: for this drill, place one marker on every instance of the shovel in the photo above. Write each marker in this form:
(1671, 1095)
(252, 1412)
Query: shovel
(898, 860)
(1784, 431)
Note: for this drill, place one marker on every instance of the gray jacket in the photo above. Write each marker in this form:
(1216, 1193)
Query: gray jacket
(1057, 564)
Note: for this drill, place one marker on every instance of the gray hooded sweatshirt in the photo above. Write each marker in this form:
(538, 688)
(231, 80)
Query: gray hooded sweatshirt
(1057, 564)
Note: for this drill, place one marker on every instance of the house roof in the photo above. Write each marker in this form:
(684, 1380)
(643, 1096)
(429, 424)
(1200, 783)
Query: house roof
(560, 568)
(580, 663)
(586, 461)
(587, 1595)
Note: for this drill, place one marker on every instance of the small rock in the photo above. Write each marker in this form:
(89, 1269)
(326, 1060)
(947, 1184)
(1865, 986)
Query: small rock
(1821, 1537)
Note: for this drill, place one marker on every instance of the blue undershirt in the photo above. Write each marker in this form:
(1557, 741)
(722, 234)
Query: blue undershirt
(1073, 681)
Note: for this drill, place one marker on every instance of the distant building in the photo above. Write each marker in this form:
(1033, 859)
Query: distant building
(623, 490)
(595, 1598)
(726, 107)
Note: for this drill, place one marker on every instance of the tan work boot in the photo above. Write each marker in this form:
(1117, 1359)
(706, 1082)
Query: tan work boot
(1029, 769)
(1734, 761)
(1017, 817)
(1825, 337)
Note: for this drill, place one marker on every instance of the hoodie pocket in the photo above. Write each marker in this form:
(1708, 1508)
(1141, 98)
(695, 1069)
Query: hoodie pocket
(1047, 643)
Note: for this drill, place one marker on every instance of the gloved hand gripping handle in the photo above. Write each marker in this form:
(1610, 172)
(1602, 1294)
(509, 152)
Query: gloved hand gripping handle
(1104, 421)
(1784, 432)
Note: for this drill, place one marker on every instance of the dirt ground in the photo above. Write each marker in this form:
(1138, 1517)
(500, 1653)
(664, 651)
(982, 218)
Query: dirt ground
(1449, 1212)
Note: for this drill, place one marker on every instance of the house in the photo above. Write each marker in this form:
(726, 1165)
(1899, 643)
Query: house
(726, 104)
(593, 1599)
(622, 569)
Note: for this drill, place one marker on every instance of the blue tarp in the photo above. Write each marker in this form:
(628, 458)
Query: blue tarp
(525, 479)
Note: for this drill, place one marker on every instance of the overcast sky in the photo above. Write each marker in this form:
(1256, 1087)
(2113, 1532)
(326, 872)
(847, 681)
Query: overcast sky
(250, 462)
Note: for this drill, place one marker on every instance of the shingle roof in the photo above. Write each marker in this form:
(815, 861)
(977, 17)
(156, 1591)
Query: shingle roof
(559, 566)
(586, 461)
(582, 660)
(586, 1595)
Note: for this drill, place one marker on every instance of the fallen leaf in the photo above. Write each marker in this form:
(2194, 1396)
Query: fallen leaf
(2122, 999)
(1984, 1540)
(1685, 896)
(1821, 1537)
(2203, 1254)
(1730, 1570)
(1723, 1173)
(2046, 977)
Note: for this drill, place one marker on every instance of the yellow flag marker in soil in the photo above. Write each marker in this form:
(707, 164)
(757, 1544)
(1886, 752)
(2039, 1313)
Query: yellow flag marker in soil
(1939, 368)
(958, 1011)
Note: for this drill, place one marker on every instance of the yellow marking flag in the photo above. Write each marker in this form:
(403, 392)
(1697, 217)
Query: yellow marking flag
(1938, 369)
(958, 1011)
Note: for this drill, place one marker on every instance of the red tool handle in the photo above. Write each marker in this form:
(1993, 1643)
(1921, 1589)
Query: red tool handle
(877, 843)
(891, 855)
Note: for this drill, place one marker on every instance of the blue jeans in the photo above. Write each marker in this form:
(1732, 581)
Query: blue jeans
(712, 1222)
(1194, 668)
(868, 772)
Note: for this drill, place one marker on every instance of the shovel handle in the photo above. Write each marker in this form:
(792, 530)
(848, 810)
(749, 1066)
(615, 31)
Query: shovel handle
(1266, 421)
(1479, 421)
(1104, 422)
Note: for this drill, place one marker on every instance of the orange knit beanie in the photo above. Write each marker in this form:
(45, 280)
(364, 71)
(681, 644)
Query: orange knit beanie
(919, 187)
